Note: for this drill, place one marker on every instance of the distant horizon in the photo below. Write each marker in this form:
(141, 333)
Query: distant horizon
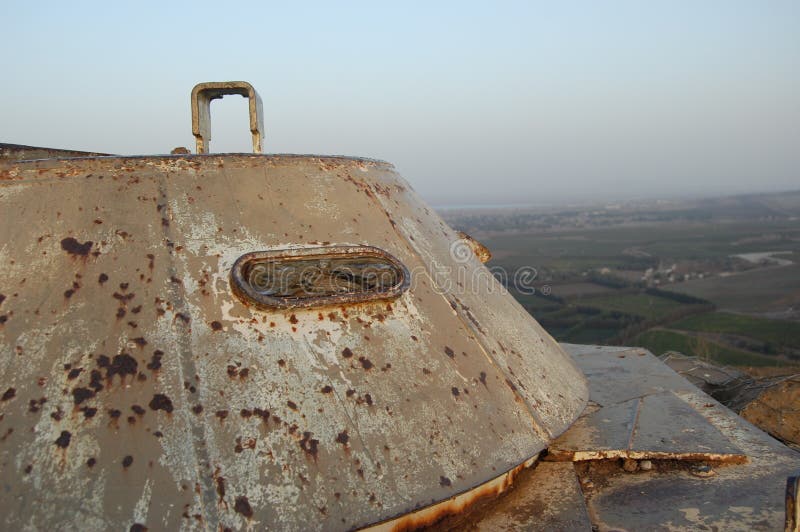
(567, 202)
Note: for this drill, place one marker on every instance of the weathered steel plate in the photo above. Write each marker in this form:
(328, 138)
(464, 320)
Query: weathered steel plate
(548, 498)
(755, 495)
(658, 426)
(145, 391)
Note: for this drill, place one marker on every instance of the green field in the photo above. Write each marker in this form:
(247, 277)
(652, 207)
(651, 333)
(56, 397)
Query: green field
(776, 332)
(605, 246)
(658, 341)
(644, 305)
(614, 273)
(757, 291)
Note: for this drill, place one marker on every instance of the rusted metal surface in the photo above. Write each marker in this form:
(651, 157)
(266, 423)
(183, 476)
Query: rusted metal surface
(138, 389)
(546, 498)
(772, 404)
(202, 96)
(481, 251)
(456, 505)
(738, 496)
(18, 152)
(792, 523)
(669, 493)
(775, 407)
(658, 427)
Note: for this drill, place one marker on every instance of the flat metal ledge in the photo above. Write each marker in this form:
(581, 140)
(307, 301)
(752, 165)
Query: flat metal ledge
(596, 492)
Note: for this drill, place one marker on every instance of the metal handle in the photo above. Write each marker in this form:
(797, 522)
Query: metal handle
(203, 93)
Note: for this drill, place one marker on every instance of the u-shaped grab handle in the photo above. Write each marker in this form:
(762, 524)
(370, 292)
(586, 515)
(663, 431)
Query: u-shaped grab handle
(203, 93)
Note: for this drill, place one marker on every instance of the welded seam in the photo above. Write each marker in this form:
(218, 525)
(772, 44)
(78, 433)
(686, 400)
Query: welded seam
(635, 424)
(187, 366)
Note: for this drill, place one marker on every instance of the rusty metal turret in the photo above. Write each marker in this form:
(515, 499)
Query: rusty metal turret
(276, 341)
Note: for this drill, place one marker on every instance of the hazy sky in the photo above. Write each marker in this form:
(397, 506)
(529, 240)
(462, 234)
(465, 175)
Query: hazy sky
(474, 103)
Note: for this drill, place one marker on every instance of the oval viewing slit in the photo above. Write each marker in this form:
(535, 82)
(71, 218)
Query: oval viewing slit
(314, 277)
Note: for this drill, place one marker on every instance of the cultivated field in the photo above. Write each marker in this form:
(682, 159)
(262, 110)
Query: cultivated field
(692, 276)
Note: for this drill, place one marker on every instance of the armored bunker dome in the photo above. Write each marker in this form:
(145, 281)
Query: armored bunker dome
(248, 340)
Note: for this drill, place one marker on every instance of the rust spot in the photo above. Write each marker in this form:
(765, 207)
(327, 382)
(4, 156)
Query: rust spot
(242, 506)
(121, 313)
(127, 461)
(454, 391)
(155, 361)
(215, 325)
(183, 317)
(365, 363)
(102, 278)
(449, 352)
(73, 247)
(161, 402)
(94, 380)
(293, 319)
(138, 410)
(221, 487)
(221, 414)
(368, 399)
(444, 482)
(426, 371)
(34, 405)
(9, 394)
(347, 353)
(245, 413)
(244, 372)
(343, 438)
(197, 409)
(483, 378)
(122, 364)
(2, 298)
(292, 405)
(124, 298)
(138, 527)
(81, 394)
(309, 445)
(114, 413)
(64, 439)
(91, 462)
(88, 412)
(326, 389)
(140, 341)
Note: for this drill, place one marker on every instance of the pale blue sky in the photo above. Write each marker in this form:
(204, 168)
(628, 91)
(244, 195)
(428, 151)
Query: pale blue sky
(473, 102)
